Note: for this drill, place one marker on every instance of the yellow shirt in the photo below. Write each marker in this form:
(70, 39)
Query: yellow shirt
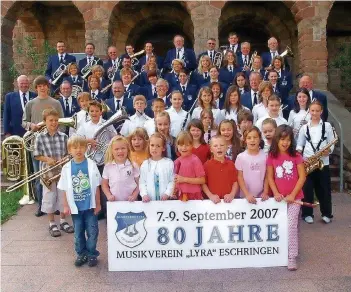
(139, 157)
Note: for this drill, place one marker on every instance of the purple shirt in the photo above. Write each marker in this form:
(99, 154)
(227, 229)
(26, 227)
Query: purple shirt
(254, 171)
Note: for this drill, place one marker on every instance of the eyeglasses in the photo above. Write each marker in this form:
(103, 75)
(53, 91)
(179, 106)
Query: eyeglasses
(211, 43)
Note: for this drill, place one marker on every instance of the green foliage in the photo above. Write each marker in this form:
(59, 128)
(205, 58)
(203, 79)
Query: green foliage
(9, 204)
(37, 56)
(343, 62)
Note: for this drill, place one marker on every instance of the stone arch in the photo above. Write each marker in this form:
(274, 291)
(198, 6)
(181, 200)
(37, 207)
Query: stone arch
(338, 34)
(43, 21)
(136, 22)
(255, 22)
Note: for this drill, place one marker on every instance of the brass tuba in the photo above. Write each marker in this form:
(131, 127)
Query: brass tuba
(217, 59)
(103, 135)
(86, 70)
(15, 162)
(252, 60)
(314, 162)
(29, 136)
(58, 73)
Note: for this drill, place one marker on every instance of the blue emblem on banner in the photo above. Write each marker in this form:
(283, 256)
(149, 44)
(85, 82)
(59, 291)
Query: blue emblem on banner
(131, 230)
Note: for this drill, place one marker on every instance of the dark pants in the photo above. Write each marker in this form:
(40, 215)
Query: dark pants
(318, 182)
(85, 222)
(103, 198)
(38, 188)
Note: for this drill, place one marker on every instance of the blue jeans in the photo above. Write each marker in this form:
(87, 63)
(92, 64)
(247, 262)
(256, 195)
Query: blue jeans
(38, 188)
(85, 221)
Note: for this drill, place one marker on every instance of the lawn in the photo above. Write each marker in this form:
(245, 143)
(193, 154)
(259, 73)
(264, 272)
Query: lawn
(9, 204)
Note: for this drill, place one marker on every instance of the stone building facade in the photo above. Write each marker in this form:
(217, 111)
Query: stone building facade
(304, 26)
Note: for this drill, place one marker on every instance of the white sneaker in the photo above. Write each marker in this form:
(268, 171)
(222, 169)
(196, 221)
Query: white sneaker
(24, 200)
(308, 219)
(326, 219)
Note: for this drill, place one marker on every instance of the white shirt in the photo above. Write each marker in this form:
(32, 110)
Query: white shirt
(311, 95)
(149, 126)
(96, 92)
(181, 53)
(216, 114)
(65, 184)
(316, 134)
(279, 120)
(211, 52)
(246, 57)
(120, 102)
(230, 68)
(136, 120)
(75, 78)
(275, 53)
(295, 119)
(279, 72)
(164, 168)
(253, 96)
(235, 47)
(259, 111)
(233, 114)
(177, 120)
(21, 98)
(63, 56)
(69, 102)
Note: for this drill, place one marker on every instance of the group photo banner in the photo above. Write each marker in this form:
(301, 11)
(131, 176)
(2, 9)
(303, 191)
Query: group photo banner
(175, 235)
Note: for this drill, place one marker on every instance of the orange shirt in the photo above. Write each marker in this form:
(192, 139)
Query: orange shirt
(139, 157)
(220, 176)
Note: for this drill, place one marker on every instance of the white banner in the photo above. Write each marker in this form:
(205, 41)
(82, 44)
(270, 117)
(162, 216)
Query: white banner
(173, 235)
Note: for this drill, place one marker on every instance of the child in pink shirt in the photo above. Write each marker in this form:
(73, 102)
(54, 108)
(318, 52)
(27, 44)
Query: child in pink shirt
(189, 171)
(251, 166)
(286, 176)
(120, 178)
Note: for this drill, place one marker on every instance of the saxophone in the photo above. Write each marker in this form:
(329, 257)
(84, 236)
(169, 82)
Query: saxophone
(315, 161)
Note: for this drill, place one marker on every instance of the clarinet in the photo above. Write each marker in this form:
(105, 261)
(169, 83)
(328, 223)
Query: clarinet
(189, 113)
(209, 135)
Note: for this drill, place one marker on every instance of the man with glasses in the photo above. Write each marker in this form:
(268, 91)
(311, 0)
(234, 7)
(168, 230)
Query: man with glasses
(211, 52)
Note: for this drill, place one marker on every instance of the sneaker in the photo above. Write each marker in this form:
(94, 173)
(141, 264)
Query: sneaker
(92, 261)
(81, 260)
(24, 200)
(292, 265)
(308, 219)
(326, 219)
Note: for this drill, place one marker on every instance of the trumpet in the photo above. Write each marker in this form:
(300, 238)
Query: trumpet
(134, 60)
(86, 70)
(30, 136)
(47, 175)
(288, 53)
(59, 72)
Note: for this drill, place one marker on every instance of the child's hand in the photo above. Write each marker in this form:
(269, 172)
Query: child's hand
(278, 197)
(228, 198)
(97, 209)
(110, 198)
(146, 199)
(289, 199)
(264, 196)
(67, 211)
(50, 161)
(179, 179)
(215, 199)
(164, 197)
(326, 152)
(132, 198)
(251, 199)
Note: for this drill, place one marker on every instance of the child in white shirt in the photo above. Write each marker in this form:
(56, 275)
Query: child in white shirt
(176, 113)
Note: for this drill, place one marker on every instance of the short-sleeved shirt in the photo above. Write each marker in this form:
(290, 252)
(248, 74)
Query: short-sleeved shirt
(189, 166)
(220, 176)
(81, 184)
(121, 179)
(285, 172)
(203, 152)
(254, 171)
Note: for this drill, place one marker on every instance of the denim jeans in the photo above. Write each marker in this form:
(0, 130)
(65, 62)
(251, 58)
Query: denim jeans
(38, 188)
(85, 222)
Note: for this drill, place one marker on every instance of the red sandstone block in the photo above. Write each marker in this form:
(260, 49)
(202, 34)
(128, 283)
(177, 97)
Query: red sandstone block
(218, 4)
(308, 12)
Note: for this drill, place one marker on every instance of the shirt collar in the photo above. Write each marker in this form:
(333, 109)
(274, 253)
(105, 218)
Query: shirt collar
(127, 163)
(96, 92)
(59, 55)
(253, 92)
(320, 122)
(185, 84)
(21, 93)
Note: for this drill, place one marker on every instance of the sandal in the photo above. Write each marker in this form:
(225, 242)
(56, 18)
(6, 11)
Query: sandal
(81, 260)
(92, 262)
(54, 232)
(66, 227)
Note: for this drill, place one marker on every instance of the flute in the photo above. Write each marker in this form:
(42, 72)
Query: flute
(305, 204)
(189, 113)
(209, 135)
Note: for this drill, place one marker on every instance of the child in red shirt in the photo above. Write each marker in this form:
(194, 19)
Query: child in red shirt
(200, 147)
(221, 174)
(188, 169)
